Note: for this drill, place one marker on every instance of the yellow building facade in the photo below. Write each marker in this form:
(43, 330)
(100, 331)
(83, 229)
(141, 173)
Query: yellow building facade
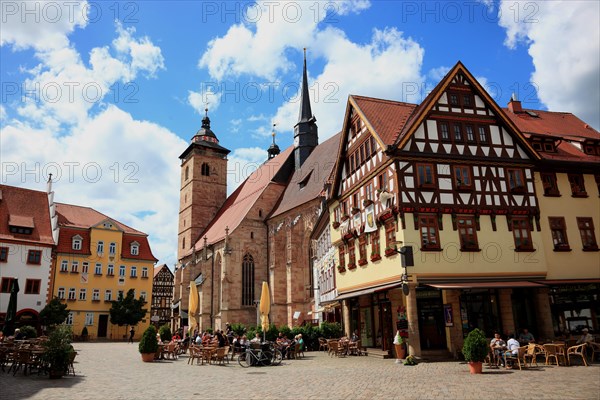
(97, 260)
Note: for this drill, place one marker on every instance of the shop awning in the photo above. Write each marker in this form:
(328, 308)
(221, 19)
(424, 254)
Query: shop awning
(485, 285)
(568, 281)
(357, 293)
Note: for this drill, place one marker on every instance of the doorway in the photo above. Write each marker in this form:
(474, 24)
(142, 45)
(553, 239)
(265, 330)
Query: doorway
(102, 325)
(430, 309)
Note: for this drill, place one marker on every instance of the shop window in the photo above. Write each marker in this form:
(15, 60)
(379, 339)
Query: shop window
(425, 176)
(586, 230)
(467, 233)
(522, 234)
(550, 184)
(577, 185)
(559, 233)
(516, 183)
(429, 232)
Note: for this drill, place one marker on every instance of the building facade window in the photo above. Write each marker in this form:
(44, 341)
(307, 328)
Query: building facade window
(32, 286)
(144, 272)
(112, 248)
(108, 295)
(100, 248)
(428, 228)
(135, 249)
(425, 176)
(98, 269)
(351, 253)
(375, 246)
(362, 247)
(205, 169)
(89, 319)
(34, 257)
(467, 233)
(143, 295)
(483, 135)
(64, 266)
(586, 230)
(75, 267)
(71, 294)
(133, 272)
(69, 320)
(559, 233)
(248, 280)
(60, 293)
(470, 133)
(110, 270)
(85, 267)
(522, 233)
(515, 180)
(96, 295)
(462, 177)
(122, 271)
(82, 294)
(3, 254)
(6, 285)
(76, 244)
(342, 255)
(550, 184)
(390, 234)
(577, 185)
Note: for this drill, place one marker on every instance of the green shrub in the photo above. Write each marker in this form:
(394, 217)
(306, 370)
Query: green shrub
(148, 342)
(29, 332)
(475, 347)
(209, 331)
(58, 349)
(272, 333)
(238, 329)
(330, 330)
(287, 332)
(165, 333)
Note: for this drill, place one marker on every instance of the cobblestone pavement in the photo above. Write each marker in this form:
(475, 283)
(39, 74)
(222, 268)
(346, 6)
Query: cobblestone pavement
(115, 371)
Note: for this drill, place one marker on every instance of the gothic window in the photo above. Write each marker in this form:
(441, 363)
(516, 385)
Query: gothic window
(205, 170)
(248, 280)
(183, 243)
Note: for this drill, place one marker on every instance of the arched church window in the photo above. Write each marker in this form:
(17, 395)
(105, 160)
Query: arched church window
(205, 169)
(247, 280)
(187, 172)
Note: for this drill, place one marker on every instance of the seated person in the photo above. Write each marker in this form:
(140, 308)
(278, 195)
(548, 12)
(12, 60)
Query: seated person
(584, 338)
(512, 348)
(498, 345)
(158, 339)
(526, 337)
(256, 338)
(243, 342)
(354, 337)
(221, 339)
(19, 335)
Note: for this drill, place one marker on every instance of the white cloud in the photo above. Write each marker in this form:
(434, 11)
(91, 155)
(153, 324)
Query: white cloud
(436, 74)
(204, 99)
(562, 40)
(41, 24)
(241, 163)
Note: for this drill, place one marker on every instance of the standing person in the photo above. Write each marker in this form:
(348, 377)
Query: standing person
(131, 334)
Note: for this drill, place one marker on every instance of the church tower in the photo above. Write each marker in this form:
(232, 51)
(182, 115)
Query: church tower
(306, 136)
(203, 185)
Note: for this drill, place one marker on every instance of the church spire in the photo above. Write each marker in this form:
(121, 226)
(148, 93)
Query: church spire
(306, 135)
(305, 111)
(273, 149)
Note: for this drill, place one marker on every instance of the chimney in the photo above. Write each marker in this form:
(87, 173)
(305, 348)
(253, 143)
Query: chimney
(514, 105)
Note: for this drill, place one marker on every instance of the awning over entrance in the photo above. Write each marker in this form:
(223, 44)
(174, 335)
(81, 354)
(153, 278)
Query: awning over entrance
(357, 293)
(485, 285)
(568, 281)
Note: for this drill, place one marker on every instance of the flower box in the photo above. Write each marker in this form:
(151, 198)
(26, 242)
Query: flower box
(367, 203)
(351, 266)
(335, 225)
(362, 261)
(355, 210)
(375, 257)
(341, 268)
(348, 235)
(390, 252)
(344, 218)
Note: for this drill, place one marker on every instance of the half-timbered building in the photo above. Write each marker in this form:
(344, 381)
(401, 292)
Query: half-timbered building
(162, 294)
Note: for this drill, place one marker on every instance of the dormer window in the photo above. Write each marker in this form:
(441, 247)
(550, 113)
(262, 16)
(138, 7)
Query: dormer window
(549, 146)
(537, 146)
(135, 248)
(76, 243)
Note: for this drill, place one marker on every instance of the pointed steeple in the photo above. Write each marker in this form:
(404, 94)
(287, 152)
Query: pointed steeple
(306, 135)
(305, 111)
(273, 149)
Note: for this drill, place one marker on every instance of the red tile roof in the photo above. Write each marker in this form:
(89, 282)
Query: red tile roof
(25, 206)
(559, 125)
(77, 220)
(387, 117)
(239, 203)
(313, 174)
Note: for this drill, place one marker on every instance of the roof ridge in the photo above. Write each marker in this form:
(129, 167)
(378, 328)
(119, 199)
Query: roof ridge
(396, 102)
(136, 232)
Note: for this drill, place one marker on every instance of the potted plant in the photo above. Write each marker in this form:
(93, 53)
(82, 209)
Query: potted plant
(148, 344)
(399, 344)
(475, 349)
(410, 360)
(58, 351)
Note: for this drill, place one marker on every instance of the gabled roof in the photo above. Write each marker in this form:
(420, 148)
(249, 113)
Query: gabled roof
(25, 208)
(421, 111)
(85, 217)
(159, 268)
(557, 125)
(240, 202)
(307, 182)
(384, 118)
(77, 220)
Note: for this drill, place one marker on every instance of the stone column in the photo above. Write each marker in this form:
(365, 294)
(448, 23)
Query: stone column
(545, 329)
(346, 318)
(414, 341)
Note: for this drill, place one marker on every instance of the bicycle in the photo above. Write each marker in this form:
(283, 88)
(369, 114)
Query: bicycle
(267, 354)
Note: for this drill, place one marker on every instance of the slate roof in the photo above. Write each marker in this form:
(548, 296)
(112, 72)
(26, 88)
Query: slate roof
(77, 220)
(25, 208)
(307, 183)
(241, 201)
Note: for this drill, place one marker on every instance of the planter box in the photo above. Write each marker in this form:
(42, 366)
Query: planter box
(351, 266)
(375, 257)
(390, 252)
(362, 261)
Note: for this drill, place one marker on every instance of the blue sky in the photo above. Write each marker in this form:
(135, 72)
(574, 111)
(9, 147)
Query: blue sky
(107, 95)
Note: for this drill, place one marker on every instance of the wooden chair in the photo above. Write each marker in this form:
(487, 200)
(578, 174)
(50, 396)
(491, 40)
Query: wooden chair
(520, 356)
(23, 359)
(71, 367)
(531, 354)
(170, 351)
(323, 344)
(595, 347)
(578, 350)
(195, 354)
(554, 351)
(220, 355)
(293, 351)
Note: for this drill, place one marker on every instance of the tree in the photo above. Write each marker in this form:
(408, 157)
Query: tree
(127, 310)
(55, 313)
